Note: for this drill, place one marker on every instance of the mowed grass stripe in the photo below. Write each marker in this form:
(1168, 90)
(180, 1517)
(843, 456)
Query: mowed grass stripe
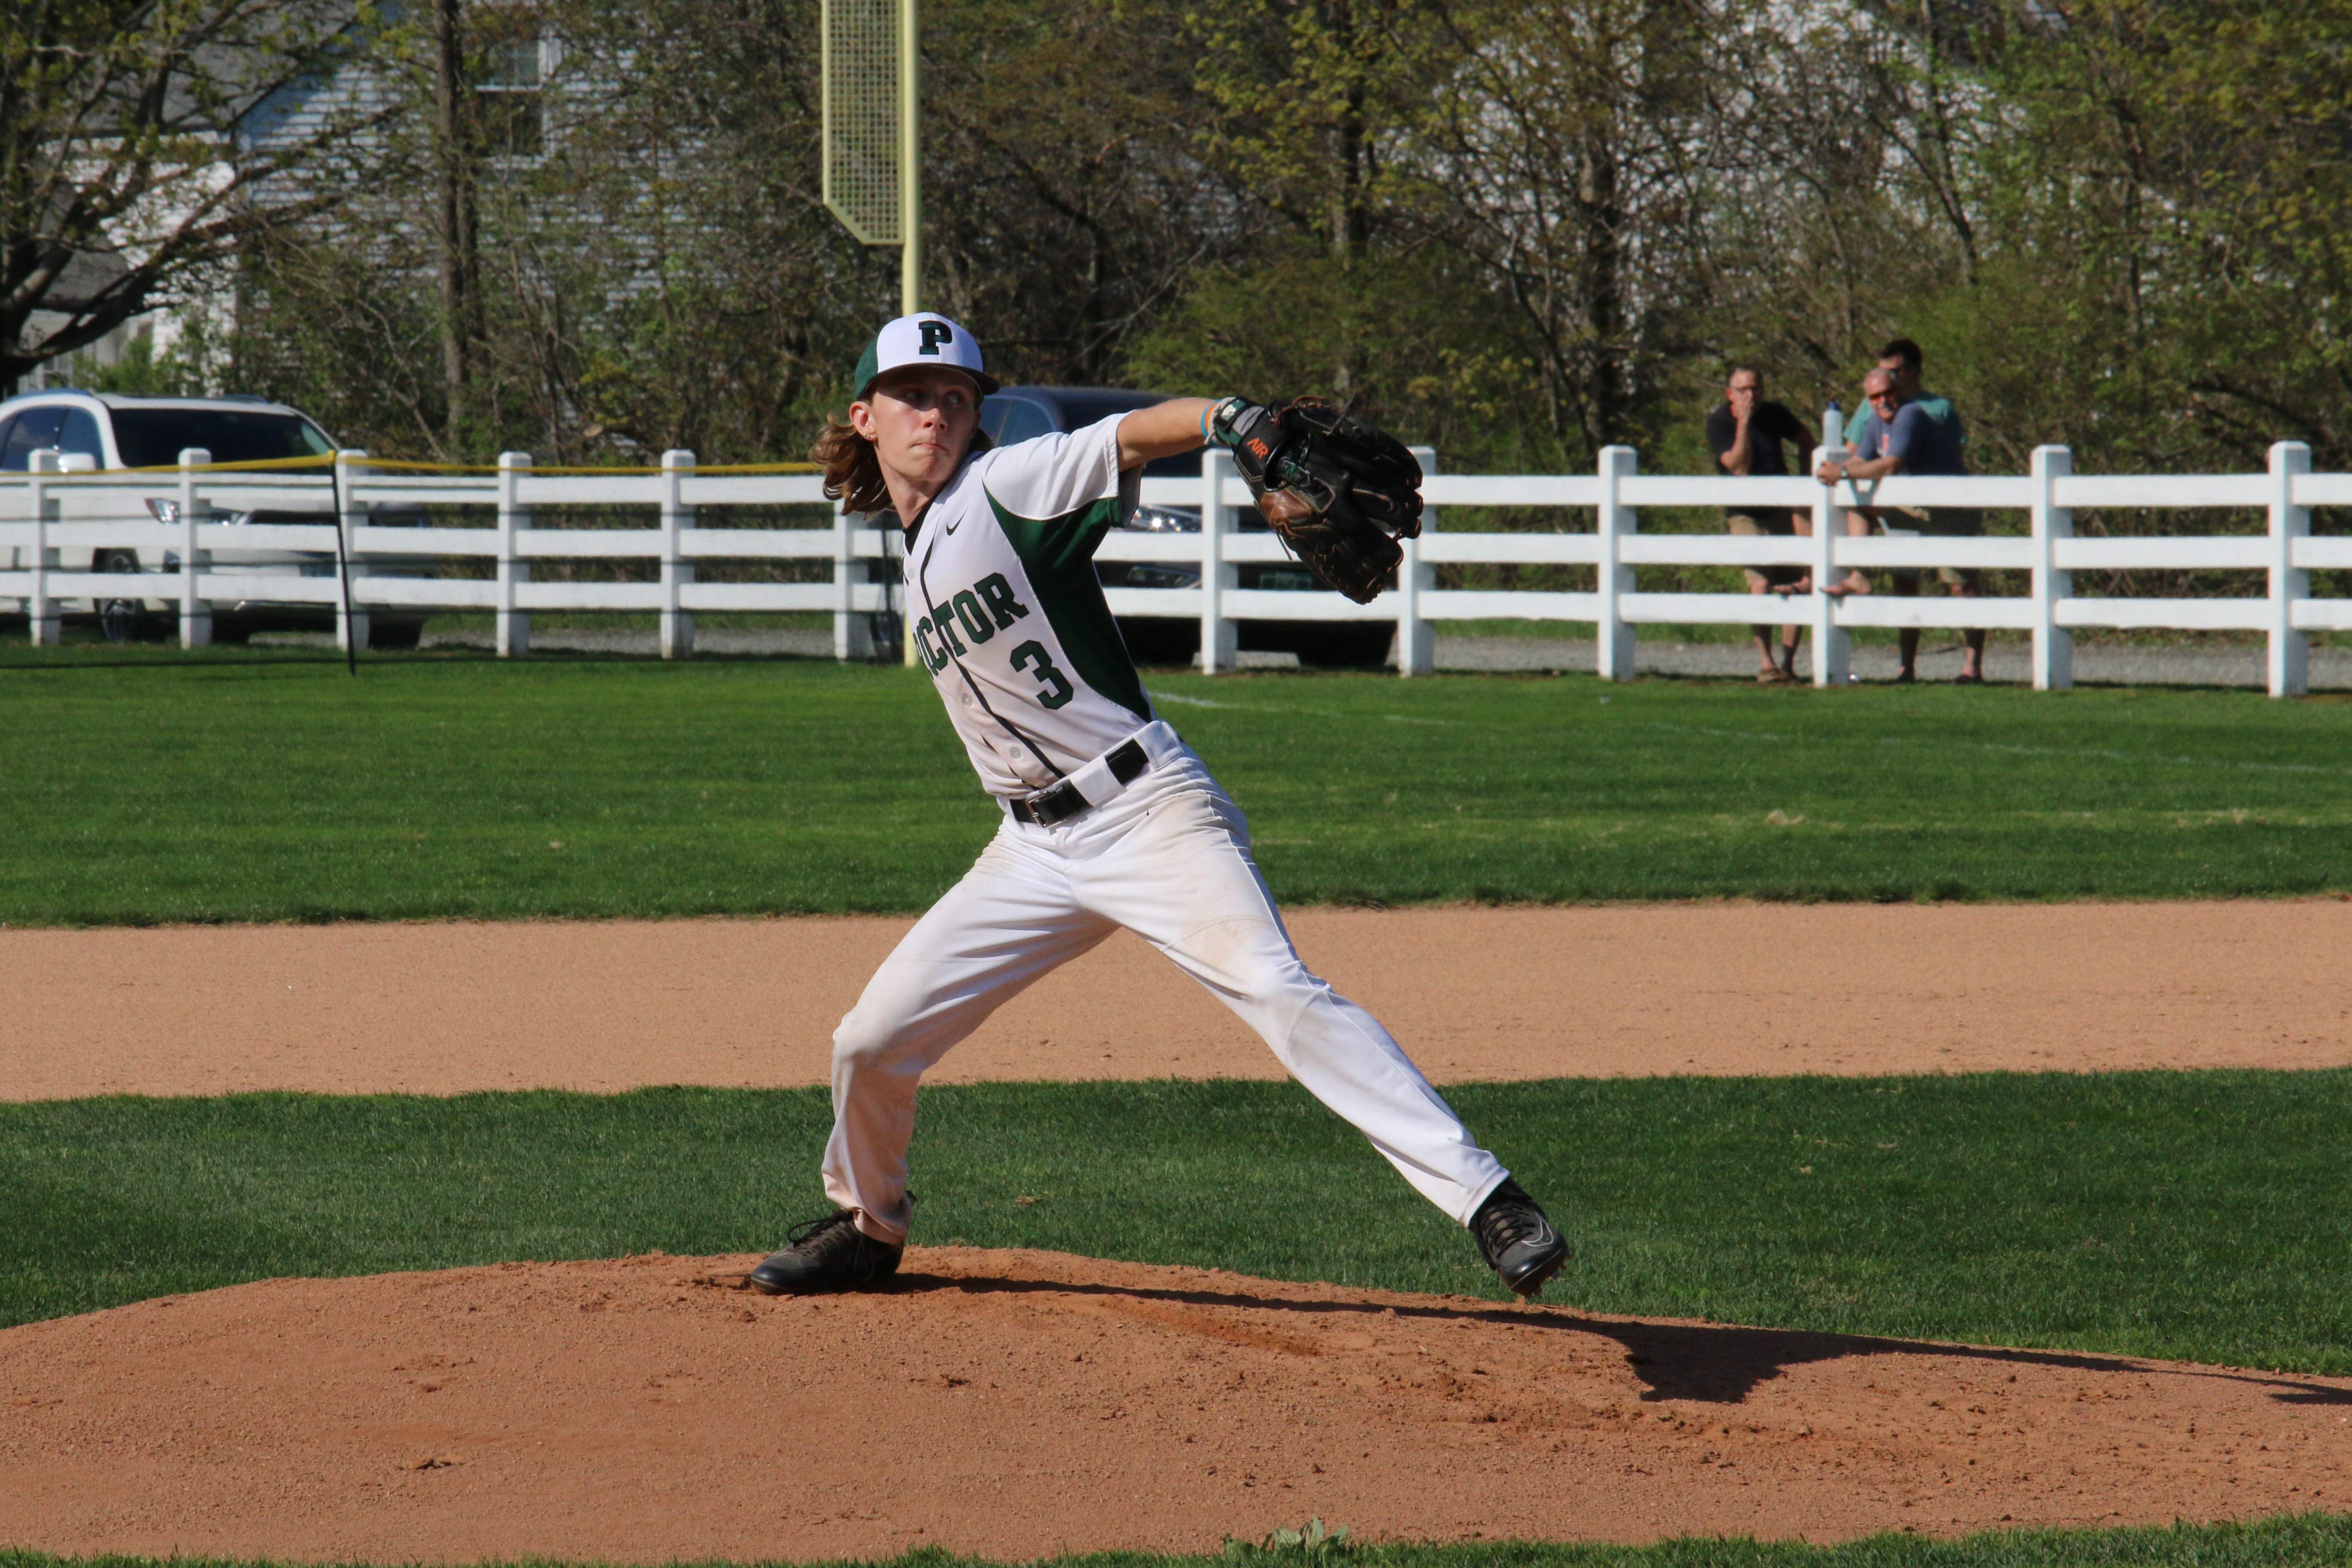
(2194, 1216)
(2290, 1542)
(147, 785)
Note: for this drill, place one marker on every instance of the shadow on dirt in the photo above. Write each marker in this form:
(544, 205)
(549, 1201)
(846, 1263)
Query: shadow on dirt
(1710, 1363)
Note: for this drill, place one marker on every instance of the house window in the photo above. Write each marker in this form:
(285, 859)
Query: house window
(509, 97)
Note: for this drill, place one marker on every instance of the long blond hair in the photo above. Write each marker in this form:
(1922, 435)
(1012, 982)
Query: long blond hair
(852, 470)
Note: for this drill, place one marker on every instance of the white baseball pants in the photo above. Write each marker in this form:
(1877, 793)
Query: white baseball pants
(1169, 859)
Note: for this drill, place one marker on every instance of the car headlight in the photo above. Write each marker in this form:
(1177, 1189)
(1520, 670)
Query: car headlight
(166, 512)
(1163, 520)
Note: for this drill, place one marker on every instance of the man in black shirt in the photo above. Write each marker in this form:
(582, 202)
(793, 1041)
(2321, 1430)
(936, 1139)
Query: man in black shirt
(1752, 436)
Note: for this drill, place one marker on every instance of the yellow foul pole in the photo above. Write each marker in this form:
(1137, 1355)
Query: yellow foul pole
(910, 215)
(910, 161)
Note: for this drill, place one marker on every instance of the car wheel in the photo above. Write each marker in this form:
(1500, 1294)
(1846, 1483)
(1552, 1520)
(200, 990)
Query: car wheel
(120, 618)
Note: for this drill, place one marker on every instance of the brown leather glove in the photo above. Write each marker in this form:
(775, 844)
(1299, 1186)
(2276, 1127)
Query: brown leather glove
(1337, 492)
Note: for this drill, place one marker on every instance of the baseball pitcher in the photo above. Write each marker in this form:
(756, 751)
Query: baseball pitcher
(1109, 819)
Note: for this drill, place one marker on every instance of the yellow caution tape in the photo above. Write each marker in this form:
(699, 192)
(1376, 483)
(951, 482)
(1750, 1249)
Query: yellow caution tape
(420, 465)
(257, 463)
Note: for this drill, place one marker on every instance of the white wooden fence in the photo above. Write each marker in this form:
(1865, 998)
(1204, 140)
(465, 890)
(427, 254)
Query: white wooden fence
(47, 515)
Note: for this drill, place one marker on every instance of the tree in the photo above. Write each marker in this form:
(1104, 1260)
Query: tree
(127, 151)
(1070, 207)
(1566, 141)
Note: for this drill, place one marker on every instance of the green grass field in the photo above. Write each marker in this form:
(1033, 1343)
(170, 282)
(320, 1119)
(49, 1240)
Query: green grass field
(2199, 1216)
(2307, 1539)
(146, 784)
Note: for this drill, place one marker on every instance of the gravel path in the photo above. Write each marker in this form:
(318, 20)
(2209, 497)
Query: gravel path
(2331, 668)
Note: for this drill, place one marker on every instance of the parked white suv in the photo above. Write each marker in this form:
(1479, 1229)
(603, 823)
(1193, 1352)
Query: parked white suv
(109, 430)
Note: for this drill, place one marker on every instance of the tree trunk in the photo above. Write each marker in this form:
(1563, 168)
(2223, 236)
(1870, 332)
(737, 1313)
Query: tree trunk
(458, 229)
(1350, 235)
(1604, 219)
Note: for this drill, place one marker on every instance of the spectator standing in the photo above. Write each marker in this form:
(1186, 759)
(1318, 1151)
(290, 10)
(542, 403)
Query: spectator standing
(1907, 362)
(1751, 436)
(1900, 438)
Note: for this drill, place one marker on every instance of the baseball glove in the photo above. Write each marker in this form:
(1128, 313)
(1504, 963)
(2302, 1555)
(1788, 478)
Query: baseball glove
(1339, 494)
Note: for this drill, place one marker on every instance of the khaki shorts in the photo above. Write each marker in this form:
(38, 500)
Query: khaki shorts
(1936, 522)
(1739, 523)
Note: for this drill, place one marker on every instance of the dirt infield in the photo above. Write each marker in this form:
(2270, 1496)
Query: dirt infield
(1475, 993)
(1020, 1404)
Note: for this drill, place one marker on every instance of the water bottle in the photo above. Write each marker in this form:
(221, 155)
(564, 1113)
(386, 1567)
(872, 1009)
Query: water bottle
(1834, 426)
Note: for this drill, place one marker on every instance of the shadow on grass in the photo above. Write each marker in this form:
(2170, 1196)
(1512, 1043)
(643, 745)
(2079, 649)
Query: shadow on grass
(1706, 1363)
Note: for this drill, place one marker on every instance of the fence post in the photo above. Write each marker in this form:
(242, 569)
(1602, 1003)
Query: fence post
(514, 626)
(1613, 657)
(850, 640)
(196, 615)
(2290, 650)
(897, 620)
(1220, 638)
(350, 630)
(1416, 639)
(2053, 644)
(41, 610)
(1833, 644)
(676, 571)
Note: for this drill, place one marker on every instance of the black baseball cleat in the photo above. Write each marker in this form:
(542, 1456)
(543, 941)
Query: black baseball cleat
(1519, 1243)
(828, 1254)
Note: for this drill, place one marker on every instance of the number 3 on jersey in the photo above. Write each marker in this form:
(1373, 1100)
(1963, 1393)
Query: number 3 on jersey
(1058, 689)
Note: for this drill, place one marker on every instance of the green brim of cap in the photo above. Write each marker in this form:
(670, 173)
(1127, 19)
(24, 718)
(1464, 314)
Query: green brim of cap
(869, 371)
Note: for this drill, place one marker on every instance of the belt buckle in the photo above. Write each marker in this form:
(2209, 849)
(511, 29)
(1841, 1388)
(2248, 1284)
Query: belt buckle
(1046, 808)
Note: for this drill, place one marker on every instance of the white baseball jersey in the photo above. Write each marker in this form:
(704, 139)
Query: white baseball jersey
(1009, 617)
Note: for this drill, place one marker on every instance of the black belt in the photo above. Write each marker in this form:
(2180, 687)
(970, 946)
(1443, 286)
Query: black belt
(1062, 801)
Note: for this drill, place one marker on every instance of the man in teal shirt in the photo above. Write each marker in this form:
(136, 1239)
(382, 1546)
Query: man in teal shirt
(1904, 360)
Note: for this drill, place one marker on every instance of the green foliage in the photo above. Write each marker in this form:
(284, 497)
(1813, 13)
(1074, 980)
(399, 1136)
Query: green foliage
(1310, 1542)
(1414, 340)
(664, 273)
(120, 187)
(1519, 231)
(1058, 132)
(245, 786)
(1311, 100)
(656, 276)
(2194, 1216)
(2102, 221)
(141, 372)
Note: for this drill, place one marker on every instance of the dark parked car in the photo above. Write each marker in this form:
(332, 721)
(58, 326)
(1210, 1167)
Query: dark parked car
(1020, 413)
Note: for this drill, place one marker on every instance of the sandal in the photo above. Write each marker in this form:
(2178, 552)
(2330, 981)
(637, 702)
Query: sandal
(1964, 679)
(1774, 677)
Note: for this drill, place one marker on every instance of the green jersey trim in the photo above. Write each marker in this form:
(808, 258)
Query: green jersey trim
(1058, 553)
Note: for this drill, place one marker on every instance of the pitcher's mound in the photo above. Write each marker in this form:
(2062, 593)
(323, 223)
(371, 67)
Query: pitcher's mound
(1019, 1404)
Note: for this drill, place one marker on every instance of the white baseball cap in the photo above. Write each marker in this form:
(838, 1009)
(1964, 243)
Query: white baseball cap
(921, 339)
